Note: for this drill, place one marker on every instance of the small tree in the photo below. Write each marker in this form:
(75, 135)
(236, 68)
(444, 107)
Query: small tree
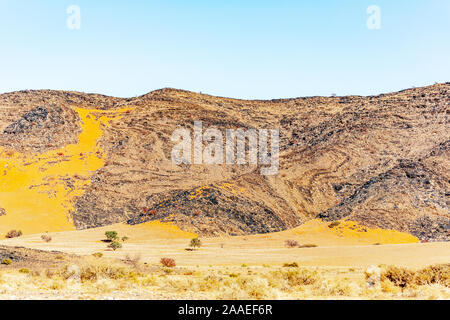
(291, 243)
(46, 238)
(115, 245)
(111, 235)
(125, 238)
(195, 243)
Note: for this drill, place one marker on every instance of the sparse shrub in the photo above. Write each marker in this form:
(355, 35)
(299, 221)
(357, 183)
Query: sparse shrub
(59, 257)
(111, 235)
(6, 261)
(167, 270)
(434, 274)
(291, 265)
(291, 243)
(98, 254)
(92, 272)
(49, 273)
(168, 262)
(308, 245)
(115, 245)
(95, 272)
(134, 261)
(255, 288)
(46, 238)
(13, 234)
(24, 270)
(377, 244)
(338, 289)
(389, 287)
(125, 239)
(400, 277)
(334, 224)
(195, 243)
(300, 277)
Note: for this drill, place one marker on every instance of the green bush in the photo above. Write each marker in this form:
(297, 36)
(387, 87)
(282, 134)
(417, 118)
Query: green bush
(115, 245)
(195, 243)
(24, 270)
(6, 261)
(111, 235)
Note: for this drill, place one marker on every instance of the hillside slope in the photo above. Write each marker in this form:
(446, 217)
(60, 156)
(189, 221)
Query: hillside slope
(381, 161)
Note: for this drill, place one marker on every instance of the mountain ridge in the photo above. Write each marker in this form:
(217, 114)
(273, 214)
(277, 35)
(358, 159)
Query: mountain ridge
(330, 147)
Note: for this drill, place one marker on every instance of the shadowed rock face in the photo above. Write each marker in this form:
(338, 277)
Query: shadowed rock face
(35, 117)
(39, 129)
(214, 211)
(409, 191)
(382, 161)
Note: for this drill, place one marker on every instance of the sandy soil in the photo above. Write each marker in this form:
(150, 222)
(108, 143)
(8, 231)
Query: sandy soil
(335, 248)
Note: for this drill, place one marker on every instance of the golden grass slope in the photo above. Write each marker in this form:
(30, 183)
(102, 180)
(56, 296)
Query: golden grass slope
(37, 191)
(351, 231)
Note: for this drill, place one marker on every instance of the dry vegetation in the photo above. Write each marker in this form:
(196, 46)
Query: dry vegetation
(13, 234)
(95, 277)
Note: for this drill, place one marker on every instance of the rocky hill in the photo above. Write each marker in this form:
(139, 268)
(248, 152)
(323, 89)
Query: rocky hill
(381, 160)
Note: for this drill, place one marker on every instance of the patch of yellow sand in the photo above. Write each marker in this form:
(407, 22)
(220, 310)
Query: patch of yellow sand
(353, 232)
(152, 230)
(36, 191)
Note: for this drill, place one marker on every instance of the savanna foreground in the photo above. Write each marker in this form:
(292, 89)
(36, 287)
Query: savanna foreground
(101, 278)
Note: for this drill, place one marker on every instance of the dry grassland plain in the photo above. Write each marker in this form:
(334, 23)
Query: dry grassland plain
(328, 263)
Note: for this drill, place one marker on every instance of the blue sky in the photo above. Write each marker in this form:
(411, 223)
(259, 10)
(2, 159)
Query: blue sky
(242, 49)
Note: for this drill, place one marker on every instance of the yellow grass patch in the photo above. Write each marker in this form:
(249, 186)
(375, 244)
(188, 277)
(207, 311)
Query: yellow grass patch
(154, 230)
(353, 231)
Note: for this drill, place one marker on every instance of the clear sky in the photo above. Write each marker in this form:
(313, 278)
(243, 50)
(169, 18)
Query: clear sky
(234, 48)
